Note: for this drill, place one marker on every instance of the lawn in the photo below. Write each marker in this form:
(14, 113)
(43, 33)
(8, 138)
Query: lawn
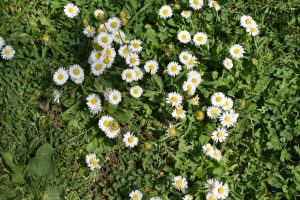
(44, 144)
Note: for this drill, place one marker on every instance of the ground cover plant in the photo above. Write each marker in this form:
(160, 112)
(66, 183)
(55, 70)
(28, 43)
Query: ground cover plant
(81, 119)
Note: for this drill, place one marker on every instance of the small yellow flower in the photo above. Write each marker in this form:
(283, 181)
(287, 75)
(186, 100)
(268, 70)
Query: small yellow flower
(85, 22)
(200, 114)
(148, 145)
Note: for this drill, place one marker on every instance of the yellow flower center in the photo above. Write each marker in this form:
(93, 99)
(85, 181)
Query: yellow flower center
(128, 75)
(185, 57)
(236, 51)
(179, 183)
(189, 87)
(179, 111)
(221, 190)
(174, 99)
(191, 61)
(135, 91)
(219, 99)
(106, 123)
(211, 197)
(186, 12)
(248, 21)
(90, 30)
(172, 131)
(137, 73)
(227, 62)
(132, 60)
(208, 149)
(252, 29)
(227, 119)
(93, 101)
(76, 71)
(113, 24)
(130, 139)
(226, 104)
(197, 2)
(200, 38)
(200, 114)
(125, 51)
(151, 67)
(98, 55)
(136, 45)
(165, 12)
(104, 39)
(194, 80)
(106, 61)
(99, 15)
(115, 97)
(108, 52)
(60, 77)
(98, 67)
(115, 125)
(214, 111)
(216, 154)
(219, 134)
(215, 4)
(7, 52)
(184, 37)
(71, 10)
(174, 68)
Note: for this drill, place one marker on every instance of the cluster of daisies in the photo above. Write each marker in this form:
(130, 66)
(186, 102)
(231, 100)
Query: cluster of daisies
(216, 190)
(7, 52)
(250, 25)
(75, 72)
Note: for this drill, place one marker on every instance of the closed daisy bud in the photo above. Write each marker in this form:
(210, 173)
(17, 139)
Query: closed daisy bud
(200, 115)
(45, 38)
(99, 14)
(85, 22)
(124, 21)
(254, 61)
(177, 6)
(122, 14)
(148, 145)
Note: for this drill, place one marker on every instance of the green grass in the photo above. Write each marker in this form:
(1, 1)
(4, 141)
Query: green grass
(262, 152)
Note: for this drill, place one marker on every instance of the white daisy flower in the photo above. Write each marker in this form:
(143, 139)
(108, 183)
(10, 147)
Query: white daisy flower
(108, 51)
(196, 4)
(135, 195)
(155, 198)
(7, 52)
(210, 196)
(191, 62)
(173, 68)
(188, 197)
(95, 56)
(184, 57)
(133, 60)
(214, 4)
(105, 122)
(180, 183)
(211, 184)
(200, 38)
(76, 73)
(252, 30)
(113, 131)
(124, 51)
(228, 64)
(194, 101)
(228, 104)
(213, 112)
(135, 46)
(107, 61)
(216, 154)
(237, 51)
(186, 14)
(97, 68)
(171, 131)
(136, 91)
(189, 87)
(130, 140)
(221, 190)
(71, 10)
(56, 96)
(179, 113)
(113, 24)
(174, 98)
(114, 97)
(94, 103)
(119, 37)
(92, 161)
(228, 118)
(151, 67)
(218, 99)
(89, 31)
(219, 135)
(128, 75)
(2, 42)
(61, 76)
(165, 12)
(104, 39)
(194, 77)
(138, 73)
(99, 14)
(207, 149)
(247, 21)
(184, 37)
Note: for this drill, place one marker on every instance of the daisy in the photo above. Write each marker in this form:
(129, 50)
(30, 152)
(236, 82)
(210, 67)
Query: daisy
(101, 28)
(180, 183)
(99, 14)
(237, 51)
(95, 55)
(188, 197)
(186, 14)
(194, 101)
(189, 87)
(216, 154)
(252, 30)
(211, 196)
(135, 46)
(119, 37)
(76, 73)
(213, 112)
(184, 37)
(113, 24)
(130, 140)
(71, 10)
(92, 161)
(94, 103)
(2, 42)
(138, 73)
(196, 4)
(218, 99)
(214, 4)
(184, 57)
(113, 131)
(219, 135)
(56, 96)
(135, 195)
(7, 52)
(104, 39)
(211, 184)
(171, 131)
(228, 64)
(136, 91)
(155, 198)
(89, 31)
(174, 98)
(128, 75)
(61, 76)
(200, 38)
(191, 62)
(165, 12)
(228, 118)
(114, 97)
(106, 61)
(133, 60)
(207, 149)
(247, 21)
(97, 68)
(179, 113)
(194, 77)
(228, 104)
(108, 51)
(124, 51)
(105, 123)
(151, 66)
(173, 68)
(221, 190)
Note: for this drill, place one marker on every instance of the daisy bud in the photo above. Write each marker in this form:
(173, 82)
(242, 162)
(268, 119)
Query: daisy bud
(177, 6)
(122, 14)
(85, 22)
(148, 145)
(123, 21)
(200, 115)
